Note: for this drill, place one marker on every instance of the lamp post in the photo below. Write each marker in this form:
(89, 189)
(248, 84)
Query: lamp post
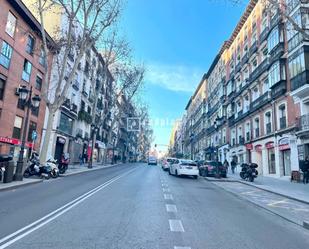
(94, 129)
(25, 96)
(191, 141)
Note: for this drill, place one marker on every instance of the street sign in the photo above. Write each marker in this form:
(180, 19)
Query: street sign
(34, 135)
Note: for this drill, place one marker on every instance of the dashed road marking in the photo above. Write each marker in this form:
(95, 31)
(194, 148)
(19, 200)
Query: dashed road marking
(277, 202)
(171, 208)
(168, 197)
(176, 226)
(164, 185)
(166, 189)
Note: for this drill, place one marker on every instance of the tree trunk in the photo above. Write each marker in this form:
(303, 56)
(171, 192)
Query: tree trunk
(46, 139)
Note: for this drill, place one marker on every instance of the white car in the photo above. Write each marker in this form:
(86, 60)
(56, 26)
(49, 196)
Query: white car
(152, 160)
(184, 167)
(166, 162)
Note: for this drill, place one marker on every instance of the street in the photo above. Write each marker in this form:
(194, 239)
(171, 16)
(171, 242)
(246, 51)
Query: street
(138, 206)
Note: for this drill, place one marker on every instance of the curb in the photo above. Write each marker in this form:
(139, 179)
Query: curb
(89, 170)
(21, 185)
(258, 187)
(304, 224)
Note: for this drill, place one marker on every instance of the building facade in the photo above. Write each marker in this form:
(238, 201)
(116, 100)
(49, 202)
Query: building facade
(21, 65)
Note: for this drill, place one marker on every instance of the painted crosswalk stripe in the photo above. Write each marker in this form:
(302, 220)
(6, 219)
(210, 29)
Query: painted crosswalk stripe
(168, 197)
(171, 208)
(176, 226)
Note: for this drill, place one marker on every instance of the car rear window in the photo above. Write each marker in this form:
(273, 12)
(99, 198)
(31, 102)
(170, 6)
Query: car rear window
(188, 164)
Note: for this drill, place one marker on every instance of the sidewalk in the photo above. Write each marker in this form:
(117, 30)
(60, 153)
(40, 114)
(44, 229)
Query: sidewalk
(281, 186)
(72, 170)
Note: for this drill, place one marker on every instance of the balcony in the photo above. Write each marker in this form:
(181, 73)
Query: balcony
(257, 132)
(303, 124)
(259, 70)
(253, 48)
(259, 102)
(67, 104)
(282, 122)
(300, 85)
(74, 108)
(268, 128)
(75, 85)
(276, 53)
(264, 34)
(278, 89)
(244, 59)
(275, 20)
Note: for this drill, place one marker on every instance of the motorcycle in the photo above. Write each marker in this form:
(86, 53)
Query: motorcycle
(54, 168)
(248, 171)
(35, 168)
(64, 163)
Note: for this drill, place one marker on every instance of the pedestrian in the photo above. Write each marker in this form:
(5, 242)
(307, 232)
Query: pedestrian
(81, 159)
(226, 164)
(305, 170)
(233, 166)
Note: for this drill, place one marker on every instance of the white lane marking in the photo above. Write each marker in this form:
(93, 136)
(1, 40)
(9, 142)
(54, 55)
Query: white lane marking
(61, 211)
(182, 247)
(166, 189)
(171, 208)
(176, 226)
(166, 197)
(277, 202)
(164, 185)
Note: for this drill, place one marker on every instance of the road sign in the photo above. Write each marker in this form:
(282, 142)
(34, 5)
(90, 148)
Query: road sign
(34, 135)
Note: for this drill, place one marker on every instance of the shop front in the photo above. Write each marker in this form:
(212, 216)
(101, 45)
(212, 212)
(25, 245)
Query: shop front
(271, 158)
(285, 156)
(12, 146)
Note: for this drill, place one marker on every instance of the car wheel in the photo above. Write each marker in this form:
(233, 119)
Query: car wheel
(176, 172)
(195, 177)
(169, 172)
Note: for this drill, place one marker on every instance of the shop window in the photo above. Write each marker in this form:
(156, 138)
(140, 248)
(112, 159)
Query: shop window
(10, 24)
(6, 54)
(17, 127)
(271, 161)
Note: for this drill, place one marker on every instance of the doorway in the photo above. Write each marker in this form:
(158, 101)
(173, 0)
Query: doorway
(286, 162)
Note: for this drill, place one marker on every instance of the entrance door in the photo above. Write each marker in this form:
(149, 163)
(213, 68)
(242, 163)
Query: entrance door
(271, 161)
(286, 162)
(59, 151)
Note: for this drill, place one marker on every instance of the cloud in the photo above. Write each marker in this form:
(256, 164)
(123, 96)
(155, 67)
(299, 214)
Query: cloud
(174, 77)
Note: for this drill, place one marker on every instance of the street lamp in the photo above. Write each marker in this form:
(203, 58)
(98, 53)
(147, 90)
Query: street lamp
(191, 141)
(25, 96)
(94, 129)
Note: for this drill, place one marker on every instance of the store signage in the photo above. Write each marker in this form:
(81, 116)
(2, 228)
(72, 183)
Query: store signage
(270, 145)
(284, 144)
(249, 146)
(14, 141)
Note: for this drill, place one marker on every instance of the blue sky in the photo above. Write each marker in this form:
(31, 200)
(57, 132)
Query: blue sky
(177, 41)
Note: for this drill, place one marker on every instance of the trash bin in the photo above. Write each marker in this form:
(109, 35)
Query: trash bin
(6, 161)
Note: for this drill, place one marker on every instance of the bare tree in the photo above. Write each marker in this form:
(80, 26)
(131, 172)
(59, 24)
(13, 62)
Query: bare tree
(91, 20)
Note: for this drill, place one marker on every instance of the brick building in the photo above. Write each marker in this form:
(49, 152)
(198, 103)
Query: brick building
(21, 64)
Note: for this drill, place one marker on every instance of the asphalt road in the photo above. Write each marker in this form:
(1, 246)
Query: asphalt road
(137, 206)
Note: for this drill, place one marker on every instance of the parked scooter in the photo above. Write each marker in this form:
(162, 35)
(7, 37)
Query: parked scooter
(248, 171)
(54, 168)
(3, 158)
(35, 168)
(64, 163)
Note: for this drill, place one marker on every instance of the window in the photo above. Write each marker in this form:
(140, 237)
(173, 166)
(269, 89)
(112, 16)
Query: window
(264, 53)
(257, 127)
(273, 39)
(2, 87)
(282, 116)
(6, 54)
(17, 127)
(38, 82)
(20, 104)
(274, 74)
(30, 44)
(65, 124)
(255, 93)
(10, 24)
(32, 127)
(42, 59)
(297, 65)
(254, 64)
(264, 24)
(27, 71)
(265, 85)
(268, 122)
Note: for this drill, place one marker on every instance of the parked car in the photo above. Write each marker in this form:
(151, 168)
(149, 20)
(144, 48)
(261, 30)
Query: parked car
(166, 162)
(152, 160)
(212, 168)
(184, 167)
